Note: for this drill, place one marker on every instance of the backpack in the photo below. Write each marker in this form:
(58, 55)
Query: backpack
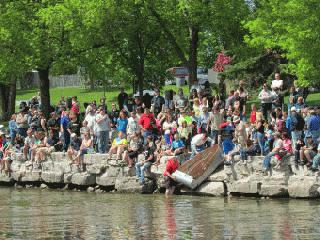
(300, 123)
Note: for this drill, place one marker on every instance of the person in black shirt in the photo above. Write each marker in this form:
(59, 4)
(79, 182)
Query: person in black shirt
(149, 159)
(74, 125)
(74, 147)
(122, 99)
(157, 102)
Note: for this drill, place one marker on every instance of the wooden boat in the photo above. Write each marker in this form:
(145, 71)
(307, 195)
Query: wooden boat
(193, 172)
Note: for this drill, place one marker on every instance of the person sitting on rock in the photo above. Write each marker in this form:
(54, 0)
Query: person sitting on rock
(145, 164)
(277, 148)
(85, 148)
(308, 152)
(316, 160)
(6, 160)
(134, 148)
(49, 147)
(170, 181)
(119, 144)
(74, 147)
(28, 143)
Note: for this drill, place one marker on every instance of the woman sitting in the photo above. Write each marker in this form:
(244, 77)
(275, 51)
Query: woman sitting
(85, 148)
(134, 148)
(119, 144)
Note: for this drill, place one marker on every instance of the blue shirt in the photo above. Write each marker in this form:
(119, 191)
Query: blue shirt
(314, 123)
(177, 144)
(122, 124)
(64, 122)
(12, 127)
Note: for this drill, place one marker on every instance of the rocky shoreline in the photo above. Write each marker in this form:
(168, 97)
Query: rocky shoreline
(102, 175)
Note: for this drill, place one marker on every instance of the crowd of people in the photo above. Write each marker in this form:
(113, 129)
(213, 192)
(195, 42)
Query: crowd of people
(169, 125)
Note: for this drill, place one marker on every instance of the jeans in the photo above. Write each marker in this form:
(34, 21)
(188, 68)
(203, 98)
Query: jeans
(315, 135)
(66, 140)
(167, 138)
(22, 132)
(260, 137)
(196, 149)
(214, 135)
(146, 133)
(267, 160)
(102, 141)
(141, 168)
(296, 135)
(315, 161)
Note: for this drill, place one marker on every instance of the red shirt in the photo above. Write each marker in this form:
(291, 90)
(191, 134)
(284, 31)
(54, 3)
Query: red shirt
(253, 116)
(171, 167)
(75, 108)
(147, 121)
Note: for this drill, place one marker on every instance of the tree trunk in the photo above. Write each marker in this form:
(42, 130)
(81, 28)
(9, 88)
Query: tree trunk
(8, 100)
(44, 91)
(193, 55)
(140, 76)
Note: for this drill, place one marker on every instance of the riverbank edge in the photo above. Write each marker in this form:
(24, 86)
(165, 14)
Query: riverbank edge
(284, 180)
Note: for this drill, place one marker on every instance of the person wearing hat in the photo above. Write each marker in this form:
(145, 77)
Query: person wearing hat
(309, 151)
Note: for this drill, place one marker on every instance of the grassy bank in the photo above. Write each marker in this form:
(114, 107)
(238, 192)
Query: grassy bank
(111, 95)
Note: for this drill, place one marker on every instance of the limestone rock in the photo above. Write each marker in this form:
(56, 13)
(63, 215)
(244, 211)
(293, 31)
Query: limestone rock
(5, 178)
(244, 186)
(34, 176)
(43, 186)
(67, 178)
(52, 177)
(83, 179)
(212, 189)
(218, 176)
(106, 180)
(132, 185)
(90, 189)
(303, 187)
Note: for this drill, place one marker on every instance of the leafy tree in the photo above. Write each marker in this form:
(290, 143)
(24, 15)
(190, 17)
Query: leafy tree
(212, 25)
(293, 26)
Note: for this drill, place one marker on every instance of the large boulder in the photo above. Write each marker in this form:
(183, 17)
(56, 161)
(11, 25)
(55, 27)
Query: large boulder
(132, 185)
(106, 180)
(33, 176)
(83, 179)
(52, 177)
(211, 189)
(303, 186)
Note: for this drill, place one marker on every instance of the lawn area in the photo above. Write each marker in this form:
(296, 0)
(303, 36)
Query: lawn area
(111, 95)
(83, 94)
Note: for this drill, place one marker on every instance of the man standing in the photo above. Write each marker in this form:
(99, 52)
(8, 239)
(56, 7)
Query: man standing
(147, 123)
(266, 98)
(102, 130)
(123, 100)
(157, 102)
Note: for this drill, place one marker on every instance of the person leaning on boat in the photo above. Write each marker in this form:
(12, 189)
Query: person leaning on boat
(199, 143)
(170, 181)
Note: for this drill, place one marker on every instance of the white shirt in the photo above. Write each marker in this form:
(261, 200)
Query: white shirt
(103, 125)
(276, 84)
(198, 140)
(133, 125)
(91, 119)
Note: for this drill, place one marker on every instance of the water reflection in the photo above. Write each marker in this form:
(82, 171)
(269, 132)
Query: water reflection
(37, 214)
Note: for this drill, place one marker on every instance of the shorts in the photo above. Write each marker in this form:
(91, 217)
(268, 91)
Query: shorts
(169, 182)
(133, 154)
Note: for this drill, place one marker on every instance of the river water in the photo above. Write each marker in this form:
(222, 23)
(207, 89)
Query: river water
(49, 214)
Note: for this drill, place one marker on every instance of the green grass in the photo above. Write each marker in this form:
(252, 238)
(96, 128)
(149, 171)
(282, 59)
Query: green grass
(84, 95)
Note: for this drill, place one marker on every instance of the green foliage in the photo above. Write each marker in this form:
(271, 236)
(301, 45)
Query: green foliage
(293, 26)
